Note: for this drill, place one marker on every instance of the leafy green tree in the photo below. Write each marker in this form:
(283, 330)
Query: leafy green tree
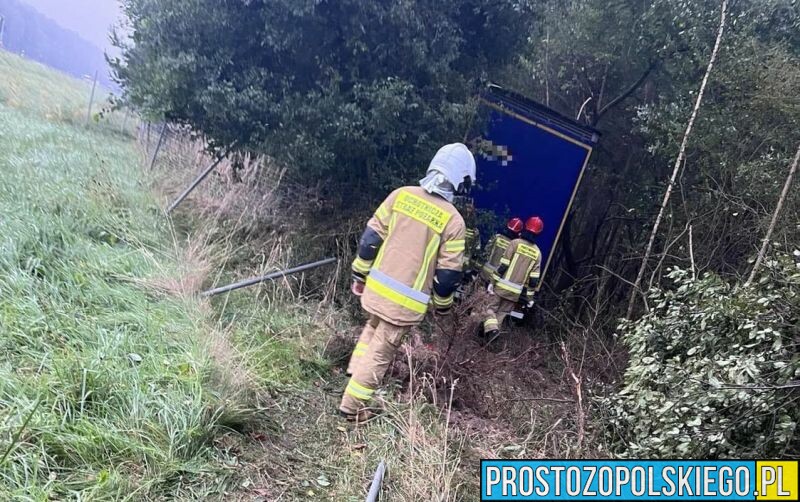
(343, 93)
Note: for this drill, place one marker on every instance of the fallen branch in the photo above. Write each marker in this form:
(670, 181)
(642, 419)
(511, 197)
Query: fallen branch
(578, 395)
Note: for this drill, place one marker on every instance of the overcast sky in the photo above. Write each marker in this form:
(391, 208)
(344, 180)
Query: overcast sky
(92, 19)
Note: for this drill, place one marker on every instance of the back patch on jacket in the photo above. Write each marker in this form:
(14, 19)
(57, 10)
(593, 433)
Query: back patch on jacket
(421, 210)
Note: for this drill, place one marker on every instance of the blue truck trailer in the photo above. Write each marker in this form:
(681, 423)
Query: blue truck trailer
(530, 161)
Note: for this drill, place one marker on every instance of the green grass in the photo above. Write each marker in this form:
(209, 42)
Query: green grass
(128, 403)
(115, 384)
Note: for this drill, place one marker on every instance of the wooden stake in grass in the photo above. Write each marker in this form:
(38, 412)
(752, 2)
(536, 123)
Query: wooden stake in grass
(768, 236)
(91, 99)
(158, 146)
(676, 169)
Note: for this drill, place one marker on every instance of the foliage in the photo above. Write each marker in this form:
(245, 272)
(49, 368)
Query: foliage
(128, 396)
(345, 94)
(713, 370)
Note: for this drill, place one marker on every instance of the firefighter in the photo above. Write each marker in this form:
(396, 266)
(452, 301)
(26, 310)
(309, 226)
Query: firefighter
(409, 257)
(516, 277)
(472, 239)
(497, 247)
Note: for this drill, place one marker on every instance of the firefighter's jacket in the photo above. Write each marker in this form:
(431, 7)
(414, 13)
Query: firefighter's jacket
(412, 255)
(473, 246)
(495, 250)
(519, 269)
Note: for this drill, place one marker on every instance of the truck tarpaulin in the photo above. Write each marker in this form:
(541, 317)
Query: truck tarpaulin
(530, 161)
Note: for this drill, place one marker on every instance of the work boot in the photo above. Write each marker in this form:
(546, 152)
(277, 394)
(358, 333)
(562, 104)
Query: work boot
(362, 416)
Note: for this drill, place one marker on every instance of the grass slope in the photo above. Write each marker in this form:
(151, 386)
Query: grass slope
(115, 384)
(105, 389)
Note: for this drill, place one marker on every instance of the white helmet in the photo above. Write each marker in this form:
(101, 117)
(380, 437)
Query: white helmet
(456, 164)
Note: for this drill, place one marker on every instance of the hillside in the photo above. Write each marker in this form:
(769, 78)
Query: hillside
(30, 33)
(106, 386)
(117, 382)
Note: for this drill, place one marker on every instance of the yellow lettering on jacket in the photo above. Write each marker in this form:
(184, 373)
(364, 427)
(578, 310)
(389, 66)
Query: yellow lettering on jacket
(531, 252)
(422, 211)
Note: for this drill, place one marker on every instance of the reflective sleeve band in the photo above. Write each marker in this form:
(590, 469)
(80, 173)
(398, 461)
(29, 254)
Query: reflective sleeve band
(358, 391)
(509, 286)
(361, 265)
(455, 246)
(440, 302)
(490, 324)
(360, 350)
(397, 292)
(382, 213)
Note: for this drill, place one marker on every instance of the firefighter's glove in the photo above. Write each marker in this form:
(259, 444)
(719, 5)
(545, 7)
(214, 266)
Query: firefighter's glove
(490, 288)
(358, 284)
(529, 305)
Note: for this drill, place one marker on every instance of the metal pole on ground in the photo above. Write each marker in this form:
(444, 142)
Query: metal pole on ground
(198, 180)
(268, 277)
(125, 120)
(375, 487)
(91, 99)
(158, 146)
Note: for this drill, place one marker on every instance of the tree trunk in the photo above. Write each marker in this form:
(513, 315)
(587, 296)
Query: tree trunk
(676, 169)
(775, 214)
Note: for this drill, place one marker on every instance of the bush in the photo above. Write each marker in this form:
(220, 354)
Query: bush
(713, 370)
(345, 94)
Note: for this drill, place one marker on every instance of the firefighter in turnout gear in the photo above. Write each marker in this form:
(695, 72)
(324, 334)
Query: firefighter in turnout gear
(473, 238)
(409, 257)
(516, 277)
(497, 247)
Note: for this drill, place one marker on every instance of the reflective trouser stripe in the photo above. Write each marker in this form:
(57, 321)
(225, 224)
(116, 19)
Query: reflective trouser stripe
(509, 286)
(490, 324)
(358, 391)
(442, 302)
(397, 292)
(360, 350)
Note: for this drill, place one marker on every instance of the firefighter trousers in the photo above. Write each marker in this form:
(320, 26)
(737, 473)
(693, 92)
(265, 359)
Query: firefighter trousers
(496, 313)
(373, 354)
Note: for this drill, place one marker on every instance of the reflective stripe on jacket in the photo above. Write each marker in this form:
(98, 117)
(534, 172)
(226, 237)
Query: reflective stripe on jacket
(523, 261)
(494, 252)
(421, 233)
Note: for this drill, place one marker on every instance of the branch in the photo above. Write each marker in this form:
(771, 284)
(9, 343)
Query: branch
(781, 199)
(630, 90)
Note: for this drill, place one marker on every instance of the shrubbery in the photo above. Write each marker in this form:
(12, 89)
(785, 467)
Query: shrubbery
(714, 369)
(346, 94)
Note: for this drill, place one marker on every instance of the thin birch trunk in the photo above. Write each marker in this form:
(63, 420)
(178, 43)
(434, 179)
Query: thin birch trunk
(676, 169)
(781, 199)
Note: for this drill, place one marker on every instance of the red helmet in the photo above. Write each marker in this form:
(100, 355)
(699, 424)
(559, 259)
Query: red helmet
(534, 225)
(515, 225)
